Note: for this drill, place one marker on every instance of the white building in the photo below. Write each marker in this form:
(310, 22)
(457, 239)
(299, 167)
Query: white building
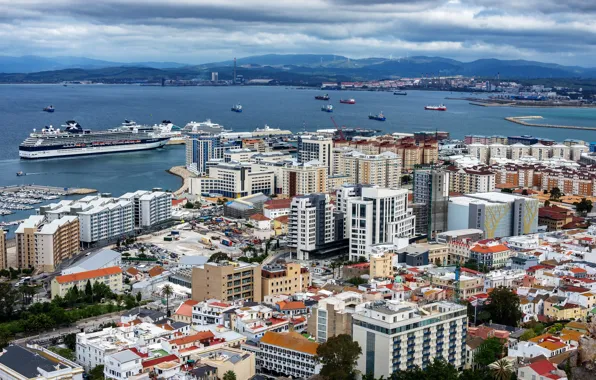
(505, 278)
(122, 365)
(211, 312)
(377, 216)
(239, 154)
(234, 180)
(315, 148)
(289, 354)
(395, 336)
(150, 207)
(22, 362)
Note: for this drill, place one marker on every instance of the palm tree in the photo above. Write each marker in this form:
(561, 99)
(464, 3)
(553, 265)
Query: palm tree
(501, 369)
(167, 291)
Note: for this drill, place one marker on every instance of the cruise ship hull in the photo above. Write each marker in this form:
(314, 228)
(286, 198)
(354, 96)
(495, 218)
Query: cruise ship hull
(71, 152)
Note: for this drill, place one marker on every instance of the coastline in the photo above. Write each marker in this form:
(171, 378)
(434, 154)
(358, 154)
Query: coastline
(521, 121)
(184, 174)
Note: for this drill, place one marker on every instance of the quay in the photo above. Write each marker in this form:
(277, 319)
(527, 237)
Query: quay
(521, 120)
(48, 189)
(185, 174)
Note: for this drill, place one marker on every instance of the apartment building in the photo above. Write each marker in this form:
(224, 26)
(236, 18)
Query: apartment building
(227, 281)
(377, 216)
(3, 251)
(288, 354)
(314, 228)
(234, 180)
(258, 145)
(112, 277)
(122, 365)
(200, 148)
(491, 254)
(150, 207)
(238, 154)
(44, 245)
(431, 194)
(211, 312)
(304, 178)
(468, 285)
(471, 180)
(332, 316)
(497, 214)
(399, 335)
(315, 148)
(381, 265)
(286, 278)
(383, 170)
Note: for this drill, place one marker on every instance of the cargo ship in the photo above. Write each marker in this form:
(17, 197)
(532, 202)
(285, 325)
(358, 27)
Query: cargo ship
(237, 108)
(48, 109)
(379, 117)
(400, 93)
(76, 141)
(440, 107)
(348, 101)
(322, 97)
(327, 108)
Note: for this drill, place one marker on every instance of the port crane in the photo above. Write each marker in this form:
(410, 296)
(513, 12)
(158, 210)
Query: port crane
(339, 129)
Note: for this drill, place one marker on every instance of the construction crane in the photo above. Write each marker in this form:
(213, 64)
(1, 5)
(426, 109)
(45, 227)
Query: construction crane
(339, 130)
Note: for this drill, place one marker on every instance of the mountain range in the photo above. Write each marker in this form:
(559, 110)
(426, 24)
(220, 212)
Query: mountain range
(306, 68)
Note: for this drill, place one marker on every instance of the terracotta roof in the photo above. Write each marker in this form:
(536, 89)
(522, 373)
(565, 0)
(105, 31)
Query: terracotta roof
(87, 275)
(283, 219)
(542, 367)
(163, 359)
(578, 270)
(577, 325)
(202, 335)
(293, 305)
(276, 204)
(259, 217)
(185, 309)
(156, 271)
(552, 346)
(132, 271)
(480, 248)
(290, 340)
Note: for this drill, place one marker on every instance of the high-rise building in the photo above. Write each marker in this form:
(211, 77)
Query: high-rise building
(44, 244)
(313, 147)
(431, 194)
(305, 178)
(497, 214)
(214, 76)
(383, 170)
(471, 180)
(314, 228)
(332, 316)
(227, 281)
(377, 216)
(200, 148)
(399, 335)
(234, 180)
(3, 252)
(150, 207)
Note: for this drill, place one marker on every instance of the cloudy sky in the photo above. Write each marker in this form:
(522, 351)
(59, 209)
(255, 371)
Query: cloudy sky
(197, 31)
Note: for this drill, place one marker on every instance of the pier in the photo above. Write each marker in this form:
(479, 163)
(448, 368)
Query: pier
(521, 120)
(185, 174)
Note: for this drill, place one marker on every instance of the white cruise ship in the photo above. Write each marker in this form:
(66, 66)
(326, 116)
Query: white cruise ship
(76, 141)
(203, 126)
(268, 131)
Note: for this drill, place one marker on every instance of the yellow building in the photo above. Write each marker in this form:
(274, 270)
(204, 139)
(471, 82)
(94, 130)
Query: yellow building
(554, 310)
(304, 178)
(25, 237)
(284, 279)
(227, 281)
(111, 276)
(381, 266)
(242, 363)
(280, 225)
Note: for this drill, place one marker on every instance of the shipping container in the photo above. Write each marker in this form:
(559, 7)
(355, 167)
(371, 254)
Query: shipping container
(173, 233)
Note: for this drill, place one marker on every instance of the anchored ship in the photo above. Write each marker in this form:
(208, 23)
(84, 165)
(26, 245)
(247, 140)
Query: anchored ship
(237, 108)
(322, 97)
(400, 93)
(327, 108)
(440, 107)
(379, 117)
(48, 109)
(348, 101)
(76, 141)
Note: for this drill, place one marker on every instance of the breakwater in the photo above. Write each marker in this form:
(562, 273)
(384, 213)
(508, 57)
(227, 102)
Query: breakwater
(185, 174)
(522, 121)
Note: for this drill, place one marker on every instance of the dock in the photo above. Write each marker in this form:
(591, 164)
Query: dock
(63, 191)
(521, 120)
(185, 174)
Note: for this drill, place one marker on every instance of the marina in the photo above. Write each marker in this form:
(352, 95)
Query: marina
(23, 198)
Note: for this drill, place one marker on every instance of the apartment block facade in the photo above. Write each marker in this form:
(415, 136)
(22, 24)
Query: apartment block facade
(227, 281)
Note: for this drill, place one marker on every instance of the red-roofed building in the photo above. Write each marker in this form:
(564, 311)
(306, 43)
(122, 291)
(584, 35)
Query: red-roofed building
(260, 221)
(541, 369)
(292, 308)
(198, 339)
(148, 365)
(111, 276)
(490, 254)
(179, 202)
(275, 208)
(184, 311)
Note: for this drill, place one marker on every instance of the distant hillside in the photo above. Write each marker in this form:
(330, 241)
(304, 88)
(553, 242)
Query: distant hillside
(32, 63)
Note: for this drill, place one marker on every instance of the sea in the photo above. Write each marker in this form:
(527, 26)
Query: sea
(100, 107)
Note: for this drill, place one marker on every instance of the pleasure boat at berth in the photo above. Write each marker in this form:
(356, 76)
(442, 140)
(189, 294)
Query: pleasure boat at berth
(400, 93)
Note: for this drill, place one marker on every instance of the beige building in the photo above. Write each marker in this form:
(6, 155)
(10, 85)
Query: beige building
(111, 276)
(242, 363)
(471, 180)
(333, 316)
(438, 254)
(306, 178)
(3, 252)
(381, 266)
(383, 170)
(43, 245)
(255, 144)
(284, 279)
(227, 281)
(468, 285)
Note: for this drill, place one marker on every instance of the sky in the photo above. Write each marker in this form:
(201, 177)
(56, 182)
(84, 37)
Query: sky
(200, 31)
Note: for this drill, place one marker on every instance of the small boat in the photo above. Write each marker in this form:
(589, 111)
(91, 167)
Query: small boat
(440, 107)
(65, 85)
(327, 108)
(379, 117)
(237, 108)
(49, 109)
(322, 97)
(348, 101)
(20, 174)
(400, 93)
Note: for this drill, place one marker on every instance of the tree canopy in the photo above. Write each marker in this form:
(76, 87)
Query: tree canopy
(503, 307)
(338, 356)
(489, 351)
(229, 375)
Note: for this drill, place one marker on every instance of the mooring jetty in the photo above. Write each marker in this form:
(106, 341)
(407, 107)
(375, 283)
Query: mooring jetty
(522, 121)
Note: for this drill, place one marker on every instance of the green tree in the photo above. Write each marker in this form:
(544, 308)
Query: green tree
(356, 281)
(64, 352)
(503, 307)
(489, 351)
(338, 356)
(555, 328)
(546, 203)
(584, 206)
(555, 194)
(229, 375)
(502, 369)
(440, 369)
(96, 373)
(527, 335)
(139, 297)
(88, 291)
(189, 205)
(218, 256)
(167, 291)
(70, 341)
